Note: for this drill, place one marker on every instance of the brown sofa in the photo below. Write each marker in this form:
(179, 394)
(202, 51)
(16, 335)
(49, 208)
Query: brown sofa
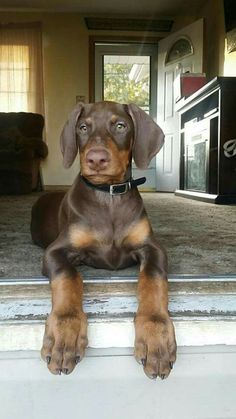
(21, 150)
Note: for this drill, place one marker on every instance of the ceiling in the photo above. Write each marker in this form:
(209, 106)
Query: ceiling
(143, 8)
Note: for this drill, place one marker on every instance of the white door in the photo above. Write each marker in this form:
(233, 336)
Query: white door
(178, 53)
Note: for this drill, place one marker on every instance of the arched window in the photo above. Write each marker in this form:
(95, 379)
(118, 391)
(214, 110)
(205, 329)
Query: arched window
(181, 48)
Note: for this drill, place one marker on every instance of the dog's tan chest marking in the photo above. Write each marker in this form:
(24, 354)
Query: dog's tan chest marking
(138, 233)
(81, 237)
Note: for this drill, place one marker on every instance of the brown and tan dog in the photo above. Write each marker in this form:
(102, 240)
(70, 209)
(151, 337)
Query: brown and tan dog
(104, 226)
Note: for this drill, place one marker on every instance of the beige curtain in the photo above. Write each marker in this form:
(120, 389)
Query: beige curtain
(21, 68)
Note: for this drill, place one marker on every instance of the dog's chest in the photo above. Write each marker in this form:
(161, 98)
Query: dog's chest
(104, 236)
(110, 245)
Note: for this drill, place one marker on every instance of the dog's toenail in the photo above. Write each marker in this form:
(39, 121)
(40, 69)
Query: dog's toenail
(48, 359)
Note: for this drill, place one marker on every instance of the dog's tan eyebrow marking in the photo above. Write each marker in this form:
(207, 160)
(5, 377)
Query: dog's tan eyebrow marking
(88, 120)
(114, 118)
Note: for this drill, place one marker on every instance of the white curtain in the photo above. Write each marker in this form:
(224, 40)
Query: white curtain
(21, 68)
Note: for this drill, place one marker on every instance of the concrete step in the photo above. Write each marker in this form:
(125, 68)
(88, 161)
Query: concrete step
(111, 385)
(203, 309)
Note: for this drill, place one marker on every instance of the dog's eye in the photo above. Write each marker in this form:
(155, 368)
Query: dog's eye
(120, 126)
(83, 128)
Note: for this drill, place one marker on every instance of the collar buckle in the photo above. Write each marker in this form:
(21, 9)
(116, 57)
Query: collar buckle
(114, 191)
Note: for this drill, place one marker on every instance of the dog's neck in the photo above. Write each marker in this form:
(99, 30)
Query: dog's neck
(128, 173)
(116, 188)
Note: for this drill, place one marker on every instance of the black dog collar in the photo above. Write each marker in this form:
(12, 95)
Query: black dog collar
(116, 188)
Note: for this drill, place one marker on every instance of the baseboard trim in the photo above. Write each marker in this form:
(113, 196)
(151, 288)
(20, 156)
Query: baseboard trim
(205, 197)
(198, 196)
(49, 188)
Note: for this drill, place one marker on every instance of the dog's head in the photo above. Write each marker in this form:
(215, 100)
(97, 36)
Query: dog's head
(108, 135)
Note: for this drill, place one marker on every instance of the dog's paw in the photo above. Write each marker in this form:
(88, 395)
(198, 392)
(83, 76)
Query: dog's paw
(155, 345)
(64, 342)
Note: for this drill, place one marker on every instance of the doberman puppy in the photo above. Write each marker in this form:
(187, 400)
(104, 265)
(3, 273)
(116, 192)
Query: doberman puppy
(101, 222)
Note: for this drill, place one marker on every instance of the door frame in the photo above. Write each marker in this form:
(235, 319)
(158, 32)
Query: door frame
(128, 47)
(112, 39)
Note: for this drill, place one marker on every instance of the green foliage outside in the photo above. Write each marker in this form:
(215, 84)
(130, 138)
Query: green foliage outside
(119, 88)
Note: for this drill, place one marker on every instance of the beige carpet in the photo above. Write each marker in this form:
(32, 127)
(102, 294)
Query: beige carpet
(200, 238)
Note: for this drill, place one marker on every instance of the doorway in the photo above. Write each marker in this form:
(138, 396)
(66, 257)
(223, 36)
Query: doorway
(126, 72)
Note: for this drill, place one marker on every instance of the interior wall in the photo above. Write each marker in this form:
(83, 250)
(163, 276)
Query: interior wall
(65, 46)
(229, 63)
(66, 61)
(65, 58)
(214, 43)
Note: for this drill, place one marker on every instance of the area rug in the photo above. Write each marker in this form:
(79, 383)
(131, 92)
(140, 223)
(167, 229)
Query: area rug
(200, 238)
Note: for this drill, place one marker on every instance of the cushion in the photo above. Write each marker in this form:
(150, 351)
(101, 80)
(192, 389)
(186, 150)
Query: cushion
(11, 139)
(8, 138)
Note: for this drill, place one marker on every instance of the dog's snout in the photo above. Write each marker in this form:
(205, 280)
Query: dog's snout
(97, 159)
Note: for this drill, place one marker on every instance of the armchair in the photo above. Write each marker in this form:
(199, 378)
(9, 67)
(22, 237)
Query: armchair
(21, 150)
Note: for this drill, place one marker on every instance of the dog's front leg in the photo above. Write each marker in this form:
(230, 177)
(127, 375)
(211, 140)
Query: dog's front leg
(155, 345)
(65, 337)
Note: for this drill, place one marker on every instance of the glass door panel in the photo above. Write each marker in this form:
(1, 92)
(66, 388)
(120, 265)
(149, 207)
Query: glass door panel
(126, 79)
(196, 151)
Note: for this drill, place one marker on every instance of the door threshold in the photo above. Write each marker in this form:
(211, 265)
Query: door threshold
(36, 280)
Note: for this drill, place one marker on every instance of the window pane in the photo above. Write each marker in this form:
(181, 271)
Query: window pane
(14, 102)
(14, 78)
(180, 49)
(127, 79)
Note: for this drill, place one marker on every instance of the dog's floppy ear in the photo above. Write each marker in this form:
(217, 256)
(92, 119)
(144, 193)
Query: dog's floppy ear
(148, 136)
(68, 140)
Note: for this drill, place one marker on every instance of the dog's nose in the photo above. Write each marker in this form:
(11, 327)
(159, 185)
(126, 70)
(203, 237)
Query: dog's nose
(97, 159)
